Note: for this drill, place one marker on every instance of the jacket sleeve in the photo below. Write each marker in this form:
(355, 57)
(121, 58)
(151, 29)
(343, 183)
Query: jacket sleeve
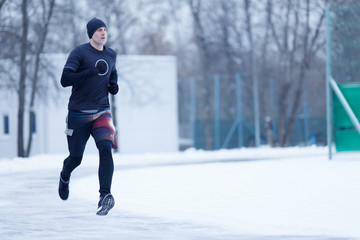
(70, 77)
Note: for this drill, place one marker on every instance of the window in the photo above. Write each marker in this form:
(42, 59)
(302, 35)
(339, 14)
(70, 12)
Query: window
(33, 121)
(6, 125)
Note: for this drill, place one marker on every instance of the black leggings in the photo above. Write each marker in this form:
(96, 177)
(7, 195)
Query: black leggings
(76, 145)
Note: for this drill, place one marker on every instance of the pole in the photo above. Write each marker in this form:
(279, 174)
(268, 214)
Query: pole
(272, 97)
(329, 120)
(256, 97)
(239, 110)
(193, 109)
(217, 112)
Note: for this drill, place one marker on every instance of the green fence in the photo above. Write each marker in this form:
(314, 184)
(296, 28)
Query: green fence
(316, 133)
(346, 136)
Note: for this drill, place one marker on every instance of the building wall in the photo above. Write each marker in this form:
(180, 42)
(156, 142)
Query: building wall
(8, 146)
(146, 110)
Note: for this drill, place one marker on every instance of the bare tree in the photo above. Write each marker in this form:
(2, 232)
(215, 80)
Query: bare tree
(286, 52)
(24, 53)
(253, 72)
(23, 73)
(205, 81)
(47, 14)
(226, 50)
(293, 38)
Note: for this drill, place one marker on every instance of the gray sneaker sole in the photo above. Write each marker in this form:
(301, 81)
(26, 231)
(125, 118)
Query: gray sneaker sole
(106, 205)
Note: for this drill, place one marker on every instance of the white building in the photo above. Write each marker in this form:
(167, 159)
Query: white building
(146, 110)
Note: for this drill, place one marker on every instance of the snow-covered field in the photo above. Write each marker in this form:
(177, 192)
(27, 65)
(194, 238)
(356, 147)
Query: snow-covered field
(268, 193)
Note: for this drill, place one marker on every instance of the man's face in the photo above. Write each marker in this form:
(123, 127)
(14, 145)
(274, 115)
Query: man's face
(100, 36)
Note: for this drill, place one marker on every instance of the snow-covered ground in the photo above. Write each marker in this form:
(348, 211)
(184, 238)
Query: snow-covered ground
(264, 193)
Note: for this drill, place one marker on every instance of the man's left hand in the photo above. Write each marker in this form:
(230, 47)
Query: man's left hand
(113, 88)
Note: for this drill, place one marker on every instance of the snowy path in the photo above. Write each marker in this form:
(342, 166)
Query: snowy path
(34, 211)
(31, 209)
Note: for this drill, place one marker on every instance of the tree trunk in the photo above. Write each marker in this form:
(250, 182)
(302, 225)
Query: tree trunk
(298, 93)
(206, 81)
(21, 91)
(283, 114)
(253, 73)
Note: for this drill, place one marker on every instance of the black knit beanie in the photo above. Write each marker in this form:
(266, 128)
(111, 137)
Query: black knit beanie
(93, 25)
